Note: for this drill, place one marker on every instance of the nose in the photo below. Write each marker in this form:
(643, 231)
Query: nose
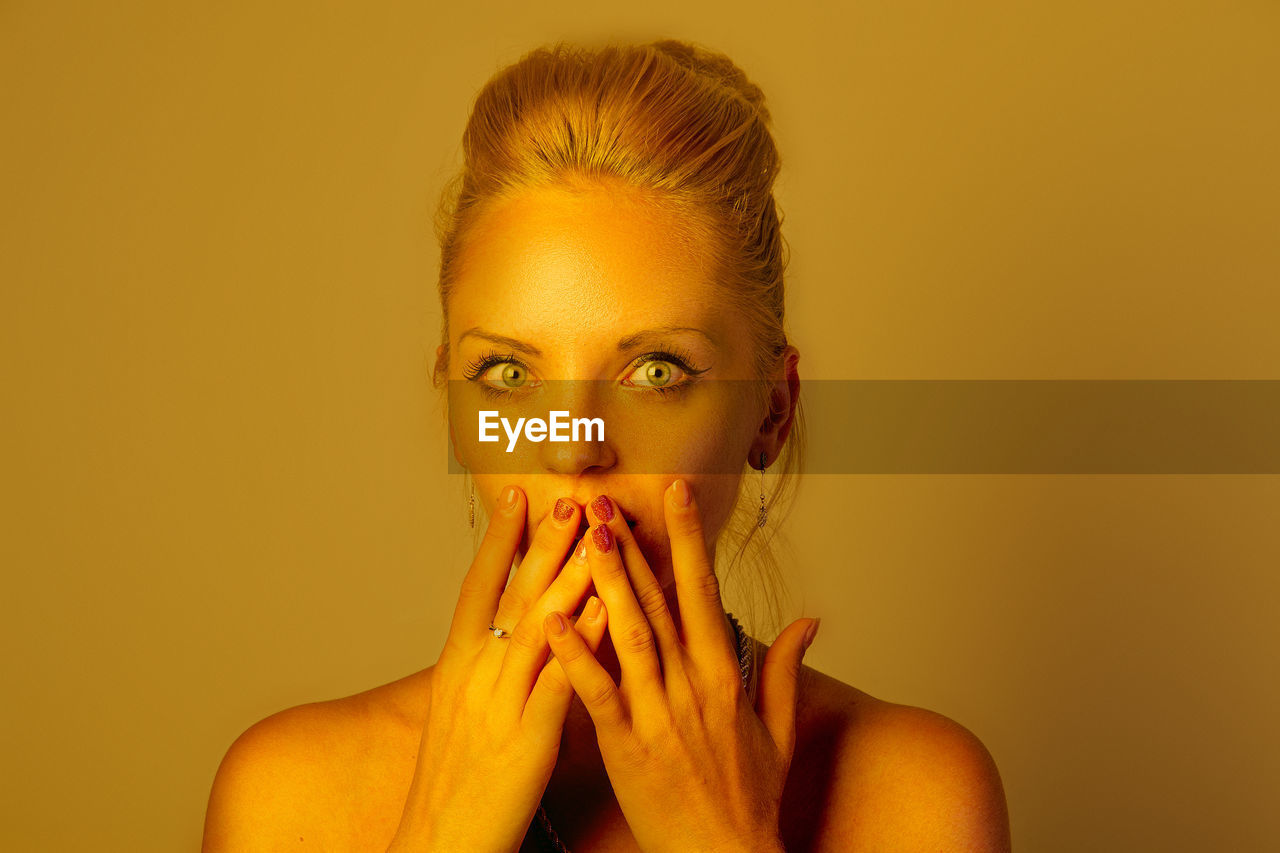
(589, 454)
(588, 449)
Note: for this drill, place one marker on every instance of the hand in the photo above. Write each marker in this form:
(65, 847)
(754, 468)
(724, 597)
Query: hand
(693, 765)
(497, 708)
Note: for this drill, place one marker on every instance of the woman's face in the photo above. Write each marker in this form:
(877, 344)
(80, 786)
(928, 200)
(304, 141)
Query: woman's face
(598, 288)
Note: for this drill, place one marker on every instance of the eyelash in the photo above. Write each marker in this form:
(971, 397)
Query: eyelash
(672, 355)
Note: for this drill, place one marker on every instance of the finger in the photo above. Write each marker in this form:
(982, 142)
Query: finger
(546, 554)
(551, 696)
(645, 586)
(633, 638)
(589, 679)
(487, 577)
(525, 652)
(707, 633)
(779, 677)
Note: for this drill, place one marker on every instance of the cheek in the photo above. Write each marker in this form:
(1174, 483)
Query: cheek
(489, 489)
(715, 496)
(707, 431)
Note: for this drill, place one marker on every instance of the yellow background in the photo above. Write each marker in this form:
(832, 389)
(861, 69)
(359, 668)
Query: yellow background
(223, 469)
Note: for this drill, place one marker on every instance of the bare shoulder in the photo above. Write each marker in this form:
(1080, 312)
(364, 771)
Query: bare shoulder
(289, 778)
(882, 776)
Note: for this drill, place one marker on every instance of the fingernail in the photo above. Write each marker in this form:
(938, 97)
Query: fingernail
(812, 632)
(509, 497)
(557, 624)
(680, 492)
(581, 553)
(563, 510)
(592, 609)
(603, 538)
(602, 508)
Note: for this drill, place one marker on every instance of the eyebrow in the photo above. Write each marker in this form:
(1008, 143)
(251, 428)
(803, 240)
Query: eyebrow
(627, 343)
(511, 343)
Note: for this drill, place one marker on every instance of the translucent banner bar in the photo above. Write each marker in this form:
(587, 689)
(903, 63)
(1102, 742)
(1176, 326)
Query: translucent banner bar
(879, 427)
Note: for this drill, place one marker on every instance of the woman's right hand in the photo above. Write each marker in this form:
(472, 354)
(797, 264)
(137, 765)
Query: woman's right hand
(497, 708)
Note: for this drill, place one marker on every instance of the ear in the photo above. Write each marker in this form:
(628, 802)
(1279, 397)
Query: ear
(784, 395)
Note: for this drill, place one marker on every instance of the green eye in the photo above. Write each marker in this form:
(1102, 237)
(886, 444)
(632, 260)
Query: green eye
(657, 373)
(513, 375)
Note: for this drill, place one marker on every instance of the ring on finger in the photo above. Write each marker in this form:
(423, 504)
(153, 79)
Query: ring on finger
(500, 633)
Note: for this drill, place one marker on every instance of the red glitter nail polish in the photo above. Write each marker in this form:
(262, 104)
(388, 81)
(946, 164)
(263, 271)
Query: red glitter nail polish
(563, 510)
(603, 537)
(602, 508)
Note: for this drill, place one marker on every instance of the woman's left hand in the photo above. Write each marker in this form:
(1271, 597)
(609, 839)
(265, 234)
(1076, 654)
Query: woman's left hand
(694, 766)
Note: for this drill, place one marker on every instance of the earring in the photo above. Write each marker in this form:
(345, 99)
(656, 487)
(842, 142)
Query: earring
(471, 507)
(764, 511)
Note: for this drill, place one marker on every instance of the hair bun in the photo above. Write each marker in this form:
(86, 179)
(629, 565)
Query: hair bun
(715, 66)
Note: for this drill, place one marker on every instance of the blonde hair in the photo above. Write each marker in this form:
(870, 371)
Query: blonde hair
(683, 127)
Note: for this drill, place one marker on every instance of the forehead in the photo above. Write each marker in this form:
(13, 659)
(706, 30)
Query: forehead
(602, 258)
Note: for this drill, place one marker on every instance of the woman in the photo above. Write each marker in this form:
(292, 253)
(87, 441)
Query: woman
(614, 226)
